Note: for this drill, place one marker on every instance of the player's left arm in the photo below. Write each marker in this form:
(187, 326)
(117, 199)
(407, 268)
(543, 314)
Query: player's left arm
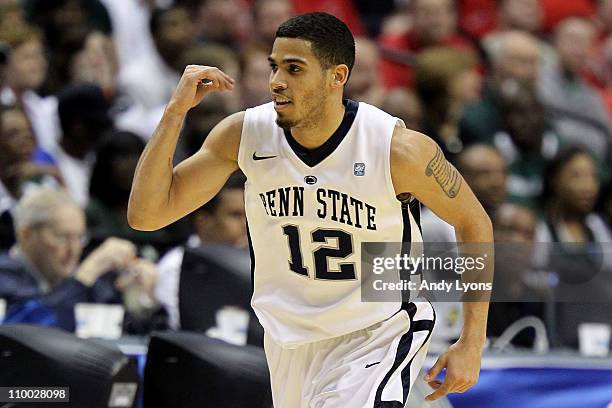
(418, 167)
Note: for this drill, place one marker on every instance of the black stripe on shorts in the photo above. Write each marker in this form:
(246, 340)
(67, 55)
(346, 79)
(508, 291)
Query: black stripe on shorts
(403, 350)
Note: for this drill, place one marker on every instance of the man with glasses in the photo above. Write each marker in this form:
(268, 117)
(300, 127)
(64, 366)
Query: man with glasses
(42, 277)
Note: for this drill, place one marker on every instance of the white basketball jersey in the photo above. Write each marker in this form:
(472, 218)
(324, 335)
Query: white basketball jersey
(308, 213)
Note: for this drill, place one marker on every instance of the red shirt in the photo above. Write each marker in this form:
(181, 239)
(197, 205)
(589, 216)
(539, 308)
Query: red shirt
(477, 17)
(343, 9)
(557, 10)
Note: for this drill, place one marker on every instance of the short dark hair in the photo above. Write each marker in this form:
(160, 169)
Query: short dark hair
(102, 186)
(332, 41)
(83, 102)
(234, 182)
(157, 16)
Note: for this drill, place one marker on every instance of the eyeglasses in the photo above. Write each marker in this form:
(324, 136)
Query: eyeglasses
(64, 238)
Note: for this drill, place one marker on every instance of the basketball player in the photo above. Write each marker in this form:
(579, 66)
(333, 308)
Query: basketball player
(323, 176)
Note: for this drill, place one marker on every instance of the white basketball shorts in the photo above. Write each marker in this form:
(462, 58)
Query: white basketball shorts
(370, 368)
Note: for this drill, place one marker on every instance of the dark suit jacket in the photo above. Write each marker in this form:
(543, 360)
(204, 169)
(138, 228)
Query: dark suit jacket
(26, 303)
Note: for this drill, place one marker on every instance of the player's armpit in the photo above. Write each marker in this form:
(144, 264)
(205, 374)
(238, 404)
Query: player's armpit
(419, 167)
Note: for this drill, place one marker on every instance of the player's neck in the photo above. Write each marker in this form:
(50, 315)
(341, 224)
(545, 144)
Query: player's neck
(315, 135)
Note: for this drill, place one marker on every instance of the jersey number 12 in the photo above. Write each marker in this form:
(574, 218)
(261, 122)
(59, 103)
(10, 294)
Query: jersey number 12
(321, 255)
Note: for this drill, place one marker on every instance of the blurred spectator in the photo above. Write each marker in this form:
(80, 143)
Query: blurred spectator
(343, 9)
(366, 84)
(604, 18)
(397, 21)
(515, 64)
(578, 235)
(600, 69)
(96, 62)
(446, 82)
(11, 14)
(571, 186)
(515, 223)
(21, 164)
(267, 16)
(516, 285)
(200, 121)
(518, 15)
(42, 278)
(131, 34)
(224, 22)
(221, 221)
(61, 20)
(511, 117)
(84, 118)
(404, 104)
(24, 73)
(20, 159)
(110, 183)
(117, 155)
(372, 14)
(523, 15)
(173, 32)
(433, 24)
(59, 17)
(516, 59)
(526, 141)
(255, 72)
(577, 110)
(556, 11)
(84, 56)
(484, 169)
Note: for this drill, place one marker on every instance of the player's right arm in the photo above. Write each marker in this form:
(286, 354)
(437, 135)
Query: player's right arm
(161, 193)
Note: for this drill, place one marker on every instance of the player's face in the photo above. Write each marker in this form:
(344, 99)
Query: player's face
(298, 83)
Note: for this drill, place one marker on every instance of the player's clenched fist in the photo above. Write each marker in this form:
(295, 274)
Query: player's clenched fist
(196, 82)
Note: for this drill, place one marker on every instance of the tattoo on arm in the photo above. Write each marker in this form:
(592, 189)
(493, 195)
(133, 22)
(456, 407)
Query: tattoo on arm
(444, 173)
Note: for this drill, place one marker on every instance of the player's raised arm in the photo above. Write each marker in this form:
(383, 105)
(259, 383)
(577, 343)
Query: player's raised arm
(419, 167)
(162, 194)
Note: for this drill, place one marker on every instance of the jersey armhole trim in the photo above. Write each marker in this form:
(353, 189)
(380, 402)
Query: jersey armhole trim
(389, 177)
(242, 144)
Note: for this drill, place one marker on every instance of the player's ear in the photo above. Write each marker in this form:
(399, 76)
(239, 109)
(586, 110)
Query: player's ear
(341, 74)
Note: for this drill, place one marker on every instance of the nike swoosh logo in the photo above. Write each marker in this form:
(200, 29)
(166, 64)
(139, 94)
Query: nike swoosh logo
(372, 364)
(256, 157)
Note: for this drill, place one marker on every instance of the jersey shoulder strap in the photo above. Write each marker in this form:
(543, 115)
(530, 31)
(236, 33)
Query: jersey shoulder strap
(258, 129)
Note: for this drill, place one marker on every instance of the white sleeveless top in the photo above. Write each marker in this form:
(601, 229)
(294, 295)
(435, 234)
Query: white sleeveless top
(308, 213)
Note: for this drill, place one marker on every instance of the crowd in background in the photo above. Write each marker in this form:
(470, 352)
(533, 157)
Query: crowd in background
(517, 93)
